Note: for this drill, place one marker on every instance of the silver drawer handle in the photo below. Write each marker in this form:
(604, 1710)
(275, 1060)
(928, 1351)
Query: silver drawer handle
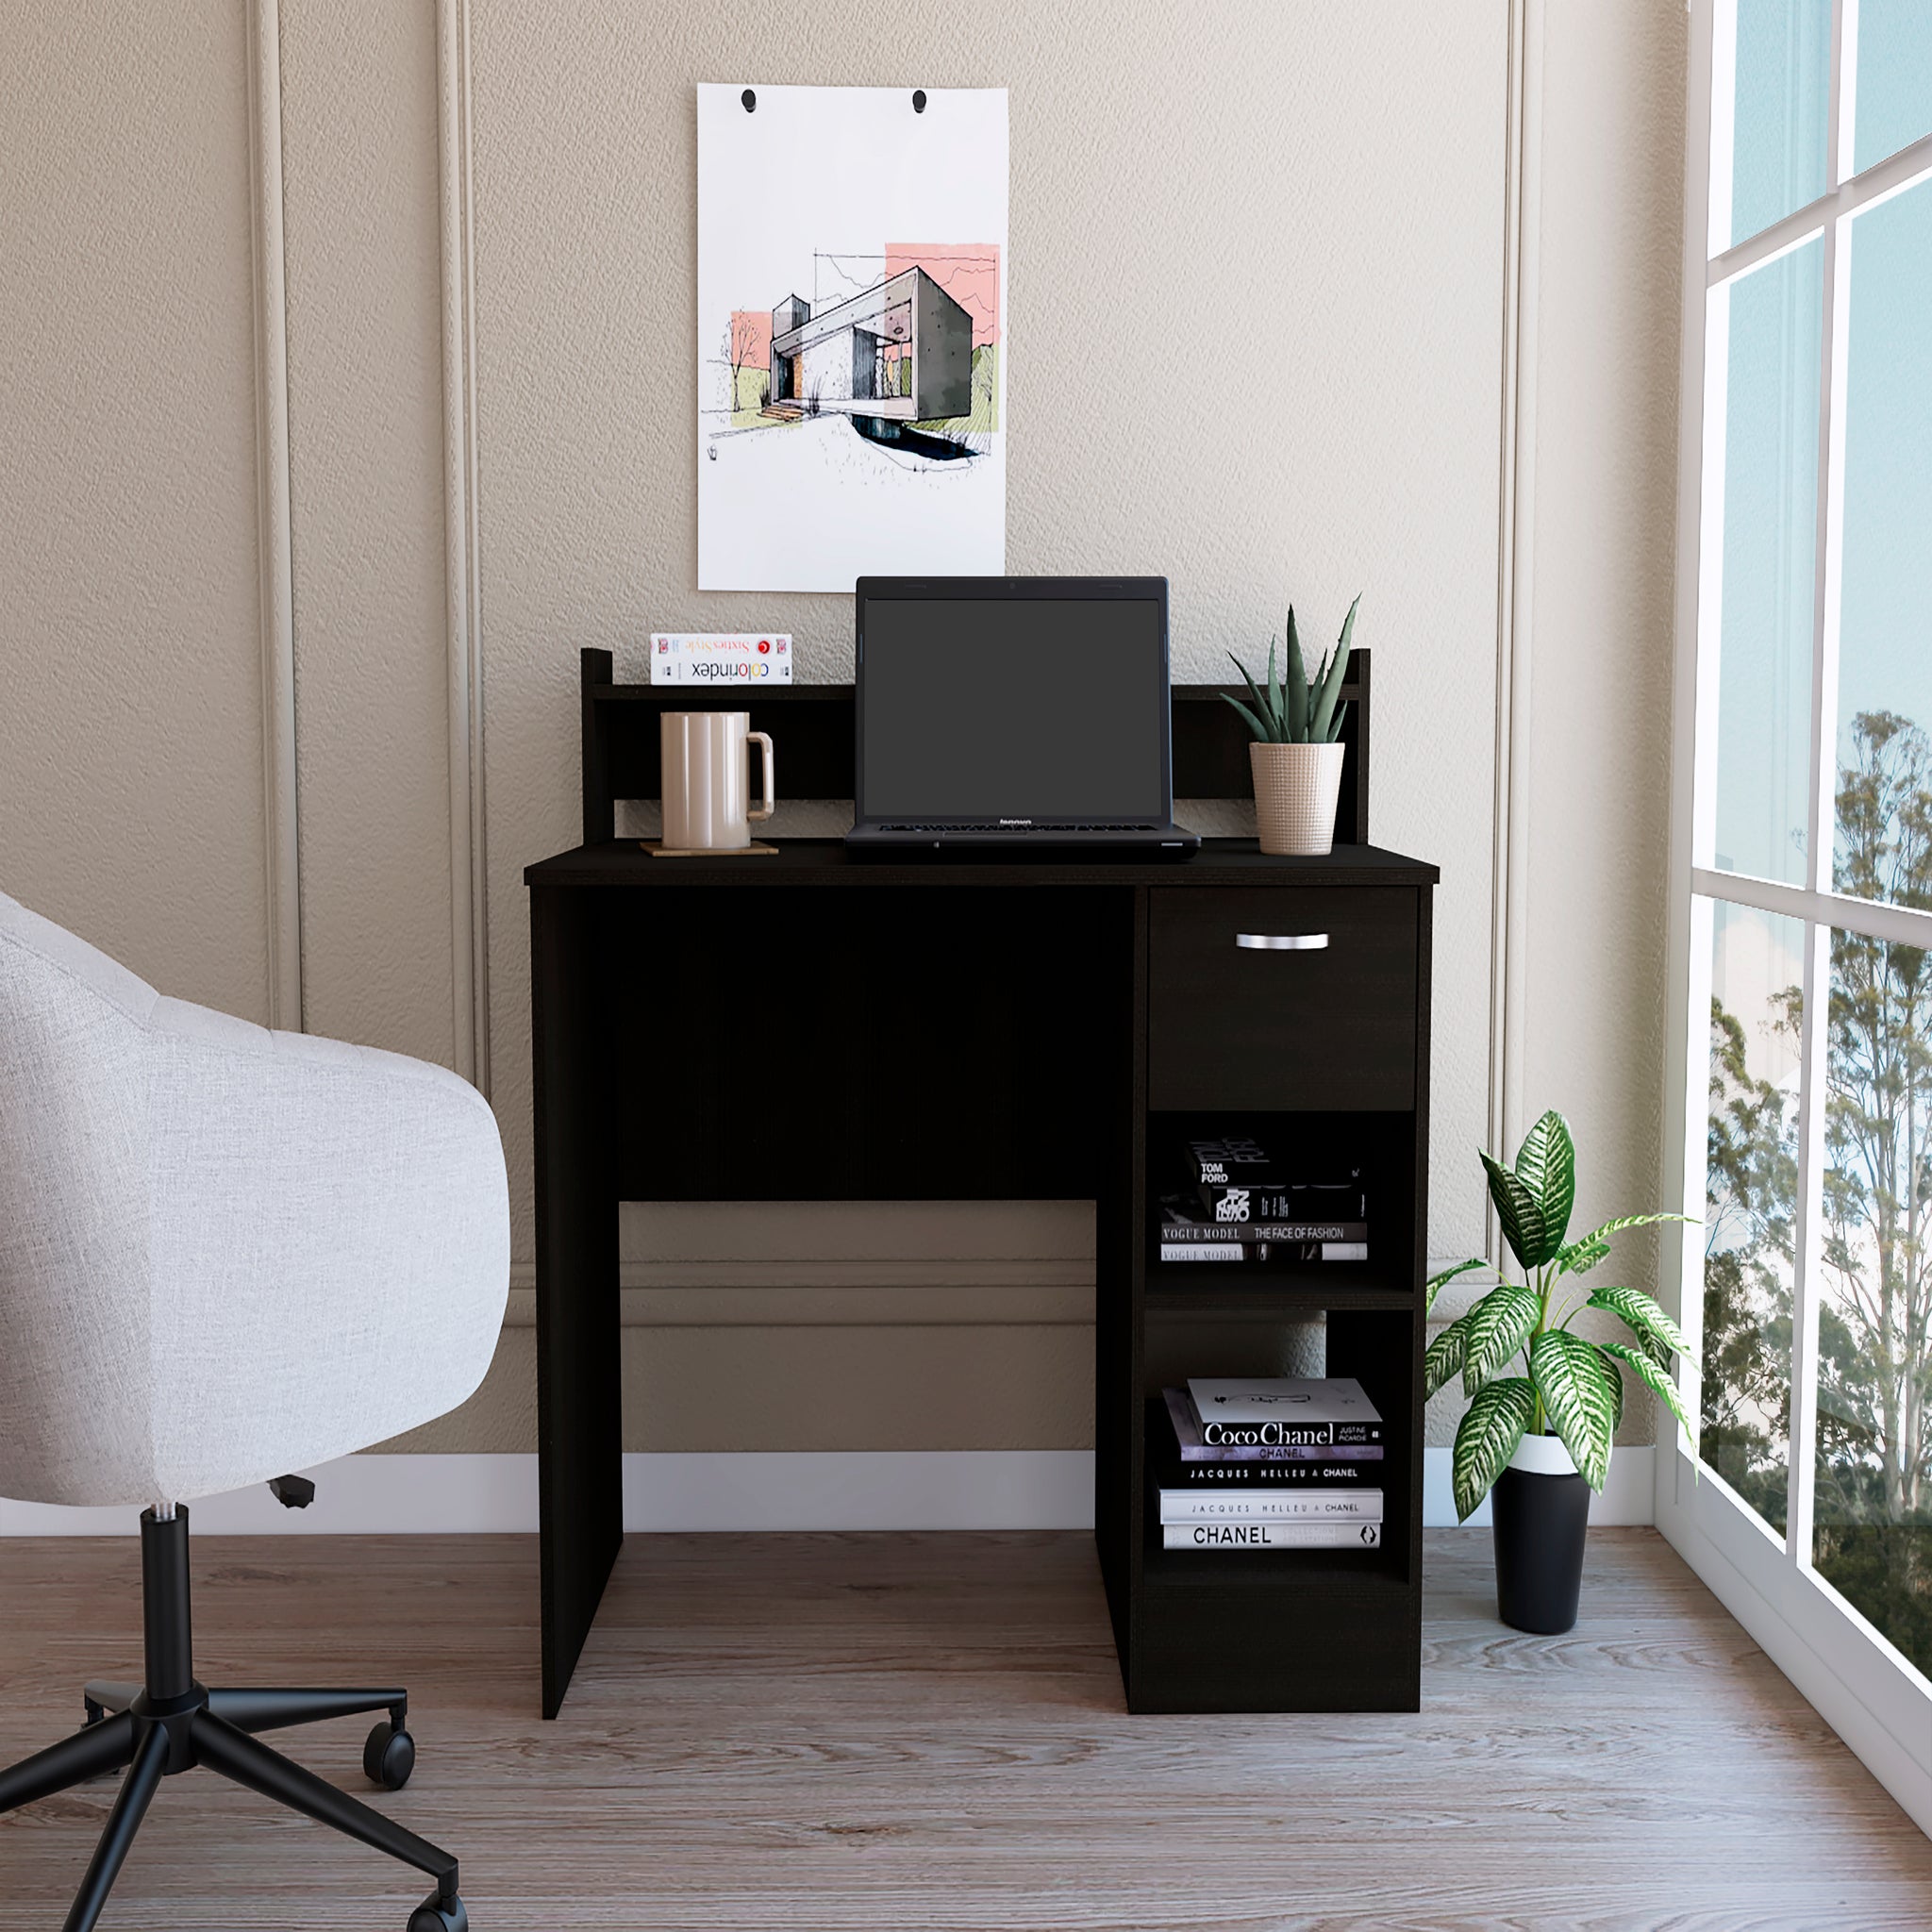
(1283, 941)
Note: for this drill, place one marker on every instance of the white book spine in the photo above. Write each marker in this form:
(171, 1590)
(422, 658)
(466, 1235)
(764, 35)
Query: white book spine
(1272, 1536)
(1271, 1505)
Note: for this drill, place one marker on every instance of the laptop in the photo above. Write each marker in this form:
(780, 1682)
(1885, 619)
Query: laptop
(1020, 712)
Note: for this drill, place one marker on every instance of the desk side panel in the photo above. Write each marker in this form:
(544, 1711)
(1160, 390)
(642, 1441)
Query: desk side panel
(579, 1391)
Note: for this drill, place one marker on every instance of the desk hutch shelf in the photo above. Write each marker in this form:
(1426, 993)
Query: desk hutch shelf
(1007, 1028)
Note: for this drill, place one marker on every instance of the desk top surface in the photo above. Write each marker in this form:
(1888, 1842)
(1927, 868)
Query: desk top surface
(827, 861)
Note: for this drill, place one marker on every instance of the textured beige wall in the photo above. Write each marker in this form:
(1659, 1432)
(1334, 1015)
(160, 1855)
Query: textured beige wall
(130, 659)
(1600, 625)
(1340, 170)
(1337, 172)
(365, 458)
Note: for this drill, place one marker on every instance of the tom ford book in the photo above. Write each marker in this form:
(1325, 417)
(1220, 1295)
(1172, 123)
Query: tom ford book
(1238, 1179)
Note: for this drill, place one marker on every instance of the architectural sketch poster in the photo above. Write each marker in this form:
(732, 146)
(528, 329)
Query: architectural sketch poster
(851, 320)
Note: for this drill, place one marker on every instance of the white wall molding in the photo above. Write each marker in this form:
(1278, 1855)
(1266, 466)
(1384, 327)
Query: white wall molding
(818, 1293)
(469, 883)
(1515, 581)
(929, 1489)
(275, 540)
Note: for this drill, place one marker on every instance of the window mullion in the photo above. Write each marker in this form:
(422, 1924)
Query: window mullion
(1807, 1244)
(1821, 813)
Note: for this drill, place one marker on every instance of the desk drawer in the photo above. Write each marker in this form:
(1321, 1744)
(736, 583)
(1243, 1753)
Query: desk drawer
(1241, 1016)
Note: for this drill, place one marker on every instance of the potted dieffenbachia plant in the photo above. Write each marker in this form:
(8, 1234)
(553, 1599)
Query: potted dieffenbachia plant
(1297, 753)
(1541, 1437)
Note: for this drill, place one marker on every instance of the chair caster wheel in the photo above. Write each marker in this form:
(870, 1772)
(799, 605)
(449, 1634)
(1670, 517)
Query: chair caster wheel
(389, 1758)
(433, 1915)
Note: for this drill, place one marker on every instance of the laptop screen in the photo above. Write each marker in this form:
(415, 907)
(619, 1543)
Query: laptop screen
(1013, 706)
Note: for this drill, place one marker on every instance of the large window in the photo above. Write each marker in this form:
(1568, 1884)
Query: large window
(1805, 950)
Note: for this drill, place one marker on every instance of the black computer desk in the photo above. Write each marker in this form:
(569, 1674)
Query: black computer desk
(815, 1026)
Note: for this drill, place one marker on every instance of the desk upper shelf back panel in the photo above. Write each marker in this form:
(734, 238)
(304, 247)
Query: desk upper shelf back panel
(812, 726)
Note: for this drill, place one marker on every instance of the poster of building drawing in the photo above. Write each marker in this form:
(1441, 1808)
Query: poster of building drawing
(851, 321)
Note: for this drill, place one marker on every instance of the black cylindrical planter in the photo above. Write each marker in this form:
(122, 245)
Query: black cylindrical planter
(1539, 1523)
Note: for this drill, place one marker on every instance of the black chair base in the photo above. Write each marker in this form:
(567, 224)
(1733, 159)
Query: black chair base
(173, 1724)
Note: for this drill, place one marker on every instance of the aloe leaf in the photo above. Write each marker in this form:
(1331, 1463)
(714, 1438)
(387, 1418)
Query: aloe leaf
(1658, 1381)
(1297, 696)
(1569, 1376)
(1499, 1325)
(1587, 1250)
(1522, 1217)
(1255, 724)
(1546, 1165)
(1643, 1316)
(1326, 722)
(1260, 717)
(1345, 642)
(1436, 1283)
(1442, 1360)
(1486, 1439)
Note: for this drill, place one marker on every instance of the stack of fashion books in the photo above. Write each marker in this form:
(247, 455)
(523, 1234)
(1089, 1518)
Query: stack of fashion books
(1272, 1464)
(1243, 1204)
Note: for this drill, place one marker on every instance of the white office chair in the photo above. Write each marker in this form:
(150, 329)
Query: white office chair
(224, 1254)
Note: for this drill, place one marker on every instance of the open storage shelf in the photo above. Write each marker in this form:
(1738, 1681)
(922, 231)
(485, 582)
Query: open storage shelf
(1380, 1145)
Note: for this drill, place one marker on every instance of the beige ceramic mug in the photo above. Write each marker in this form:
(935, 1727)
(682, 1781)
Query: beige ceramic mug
(707, 780)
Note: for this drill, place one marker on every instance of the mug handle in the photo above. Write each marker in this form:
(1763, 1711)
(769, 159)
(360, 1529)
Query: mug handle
(763, 741)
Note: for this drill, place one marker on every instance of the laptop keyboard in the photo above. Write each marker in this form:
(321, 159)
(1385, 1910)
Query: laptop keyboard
(1021, 831)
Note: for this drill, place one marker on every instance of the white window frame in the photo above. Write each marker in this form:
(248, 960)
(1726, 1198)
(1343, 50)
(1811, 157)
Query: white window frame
(1864, 1687)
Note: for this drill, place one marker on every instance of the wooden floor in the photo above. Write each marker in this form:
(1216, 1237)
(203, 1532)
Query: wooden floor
(927, 1732)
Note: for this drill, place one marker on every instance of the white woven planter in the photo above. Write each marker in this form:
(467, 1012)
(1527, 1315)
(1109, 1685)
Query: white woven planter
(1296, 788)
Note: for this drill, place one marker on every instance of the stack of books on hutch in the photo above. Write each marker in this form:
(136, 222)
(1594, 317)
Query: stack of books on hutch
(1273, 1464)
(1245, 1205)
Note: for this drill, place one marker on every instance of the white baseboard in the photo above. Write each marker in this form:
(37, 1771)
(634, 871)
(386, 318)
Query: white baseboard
(367, 1496)
(938, 1489)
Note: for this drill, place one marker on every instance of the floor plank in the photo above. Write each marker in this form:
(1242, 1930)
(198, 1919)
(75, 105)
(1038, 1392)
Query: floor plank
(898, 1731)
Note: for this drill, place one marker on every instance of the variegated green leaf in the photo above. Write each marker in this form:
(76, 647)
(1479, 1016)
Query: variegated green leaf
(1499, 1325)
(1579, 1258)
(1643, 1316)
(1658, 1381)
(1546, 1165)
(1586, 1251)
(1522, 1217)
(1486, 1439)
(1616, 1382)
(1569, 1376)
(1436, 1283)
(1442, 1360)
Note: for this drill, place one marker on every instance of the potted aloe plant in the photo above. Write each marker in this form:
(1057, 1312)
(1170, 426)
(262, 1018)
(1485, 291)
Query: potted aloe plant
(1296, 756)
(1542, 1437)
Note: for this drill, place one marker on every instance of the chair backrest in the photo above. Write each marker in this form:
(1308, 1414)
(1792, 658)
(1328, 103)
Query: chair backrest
(75, 1214)
(225, 1253)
